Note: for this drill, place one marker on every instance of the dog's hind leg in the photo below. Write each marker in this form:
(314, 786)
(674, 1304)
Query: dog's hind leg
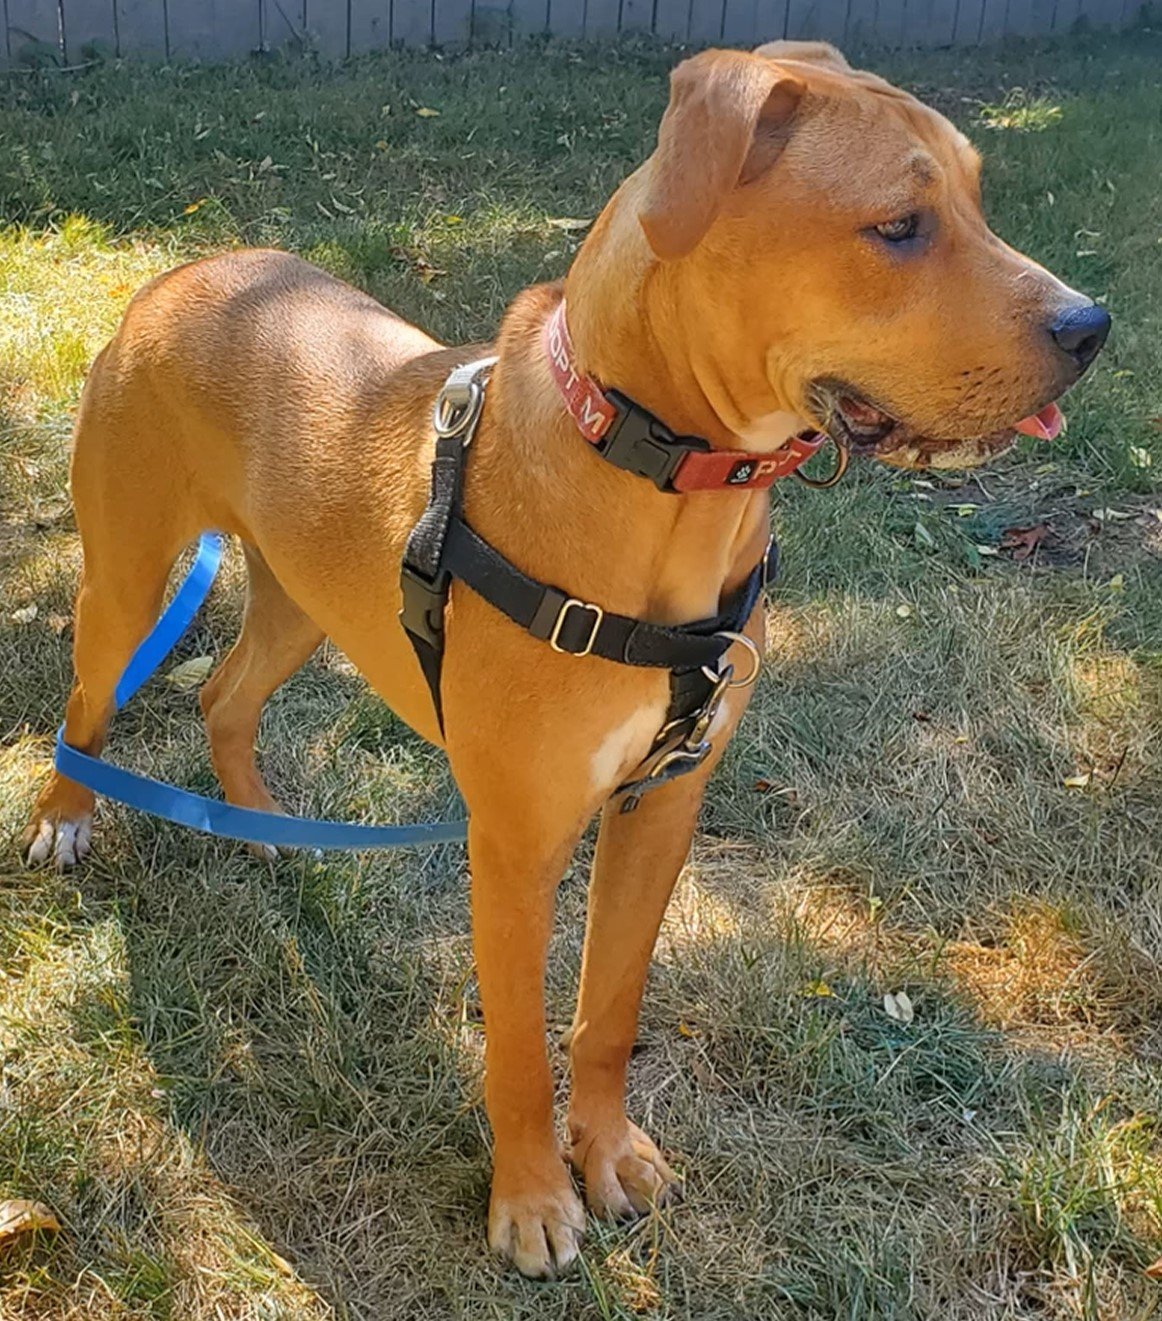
(123, 582)
(276, 639)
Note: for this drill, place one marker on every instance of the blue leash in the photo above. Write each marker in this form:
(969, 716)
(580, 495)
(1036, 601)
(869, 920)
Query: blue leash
(209, 814)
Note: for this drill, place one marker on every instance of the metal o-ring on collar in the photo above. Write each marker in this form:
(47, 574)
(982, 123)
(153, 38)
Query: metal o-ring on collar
(842, 458)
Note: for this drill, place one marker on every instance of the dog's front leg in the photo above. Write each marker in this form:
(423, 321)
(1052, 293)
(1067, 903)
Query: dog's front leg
(639, 856)
(535, 1217)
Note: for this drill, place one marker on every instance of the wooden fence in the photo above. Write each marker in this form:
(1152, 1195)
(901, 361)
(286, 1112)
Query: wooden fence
(73, 31)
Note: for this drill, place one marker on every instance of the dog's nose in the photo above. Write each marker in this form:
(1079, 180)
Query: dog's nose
(1080, 332)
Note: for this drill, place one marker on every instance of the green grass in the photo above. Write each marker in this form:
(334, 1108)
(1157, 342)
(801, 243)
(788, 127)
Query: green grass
(256, 1094)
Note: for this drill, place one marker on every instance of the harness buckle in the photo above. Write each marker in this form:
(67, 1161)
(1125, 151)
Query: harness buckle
(638, 443)
(562, 615)
(424, 599)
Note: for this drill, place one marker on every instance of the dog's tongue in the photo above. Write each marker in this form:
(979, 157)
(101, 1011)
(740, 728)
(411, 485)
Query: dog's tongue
(1045, 425)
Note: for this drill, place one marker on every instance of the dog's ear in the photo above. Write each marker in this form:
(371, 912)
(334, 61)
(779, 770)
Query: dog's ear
(805, 52)
(724, 126)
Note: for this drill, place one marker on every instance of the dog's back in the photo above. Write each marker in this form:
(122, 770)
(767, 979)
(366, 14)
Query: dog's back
(219, 363)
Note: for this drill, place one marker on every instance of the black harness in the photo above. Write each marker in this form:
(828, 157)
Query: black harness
(442, 546)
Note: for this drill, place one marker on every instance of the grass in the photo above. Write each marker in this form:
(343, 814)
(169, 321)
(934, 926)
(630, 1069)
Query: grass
(255, 1094)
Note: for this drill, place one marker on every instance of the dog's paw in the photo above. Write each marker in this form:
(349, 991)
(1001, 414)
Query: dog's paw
(537, 1228)
(625, 1174)
(57, 841)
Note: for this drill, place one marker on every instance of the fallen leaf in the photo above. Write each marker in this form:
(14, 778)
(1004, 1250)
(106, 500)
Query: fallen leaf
(904, 611)
(569, 223)
(189, 674)
(58, 623)
(962, 510)
(1117, 583)
(1154, 1270)
(922, 716)
(26, 614)
(194, 206)
(1077, 781)
(1140, 458)
(986, 550)
(899, 1007)
(426, 112)
(684, 1030)
(820, 990)
(23, 1217)
(1114, 515)
(1023, 541)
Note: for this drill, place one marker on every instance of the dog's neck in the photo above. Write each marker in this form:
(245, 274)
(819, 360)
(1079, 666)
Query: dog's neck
(594, 529)
(645, 327)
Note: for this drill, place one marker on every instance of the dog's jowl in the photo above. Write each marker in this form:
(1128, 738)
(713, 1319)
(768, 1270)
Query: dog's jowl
(803, 255)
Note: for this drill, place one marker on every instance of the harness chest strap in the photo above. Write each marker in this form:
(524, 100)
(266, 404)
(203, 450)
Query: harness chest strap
(442, 546)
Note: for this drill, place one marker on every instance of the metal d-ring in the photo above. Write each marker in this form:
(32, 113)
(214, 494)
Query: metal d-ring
(455, 417)
(842, 458)
(756, 661)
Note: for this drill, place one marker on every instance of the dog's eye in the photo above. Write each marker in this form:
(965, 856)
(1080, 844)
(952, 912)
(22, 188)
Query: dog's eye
(899, 231)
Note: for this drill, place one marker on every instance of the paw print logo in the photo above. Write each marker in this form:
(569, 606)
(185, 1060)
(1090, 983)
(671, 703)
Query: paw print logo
(741, 473)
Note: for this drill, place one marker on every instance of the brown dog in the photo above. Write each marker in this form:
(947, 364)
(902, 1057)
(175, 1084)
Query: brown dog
(805, 245)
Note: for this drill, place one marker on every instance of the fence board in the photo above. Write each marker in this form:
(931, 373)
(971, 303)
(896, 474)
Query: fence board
(1041, 18)
(567, 17)
(637, 15)
(992, 22)
(1065, 15)
(370, 23)
(966, 29)
(230, 29)
(1100, 13)
(817, 20)
(452, 22)
(1019, 18)
(411, 21)
(32, 31)
(738, 23)
(530, 18)
(282, 21)
(705, 20)
(141, 29)
(770, 20)
(601, 17)
(672, 19)
(212, 29)
(89, 24)
(327, 26)
(491, 23)
(939, 23)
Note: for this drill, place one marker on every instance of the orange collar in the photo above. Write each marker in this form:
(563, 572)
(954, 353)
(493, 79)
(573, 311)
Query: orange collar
(632, 438)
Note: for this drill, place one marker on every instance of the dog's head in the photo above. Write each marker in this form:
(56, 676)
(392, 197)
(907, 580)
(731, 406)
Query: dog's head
(829, 227)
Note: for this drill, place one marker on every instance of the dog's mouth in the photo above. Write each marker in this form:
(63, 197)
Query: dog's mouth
(863, 427)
